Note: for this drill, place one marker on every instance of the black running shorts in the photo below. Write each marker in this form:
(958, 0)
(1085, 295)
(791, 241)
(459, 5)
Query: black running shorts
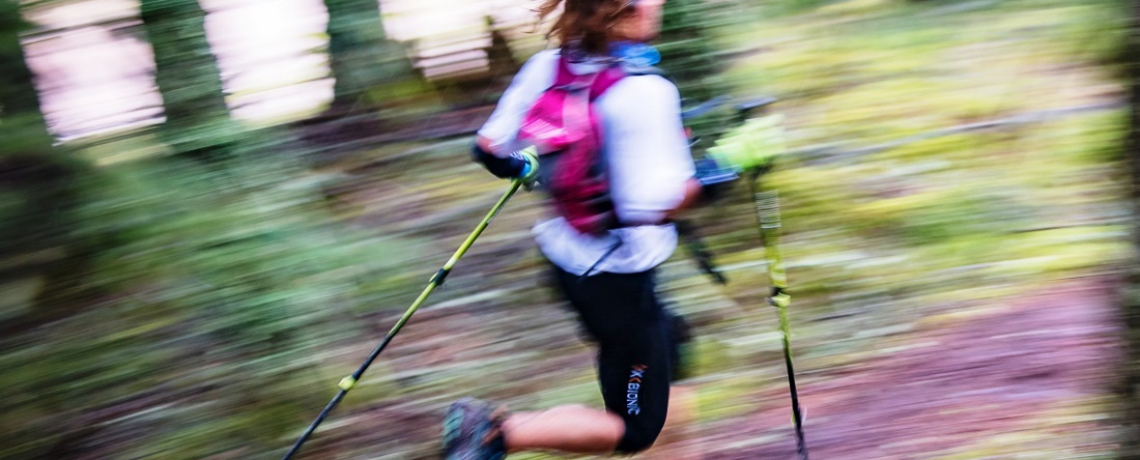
(636, 350)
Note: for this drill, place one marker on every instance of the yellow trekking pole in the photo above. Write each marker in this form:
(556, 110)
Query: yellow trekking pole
(753, 147)
(768, 213)
(347, 383)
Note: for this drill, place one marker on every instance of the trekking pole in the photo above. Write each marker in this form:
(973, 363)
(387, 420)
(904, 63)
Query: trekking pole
(436, 280)
(768, 213)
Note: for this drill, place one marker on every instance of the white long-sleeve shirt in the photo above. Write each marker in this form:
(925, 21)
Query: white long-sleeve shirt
(648, 159)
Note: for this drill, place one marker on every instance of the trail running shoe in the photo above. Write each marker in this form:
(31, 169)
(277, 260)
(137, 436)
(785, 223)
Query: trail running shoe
(472, 431)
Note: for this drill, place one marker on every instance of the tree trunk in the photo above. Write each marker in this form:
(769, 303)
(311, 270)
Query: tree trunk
(25, 130)
(1130, 445)
(361, 56)
(33, 178)
(38, 188)
(186, 71)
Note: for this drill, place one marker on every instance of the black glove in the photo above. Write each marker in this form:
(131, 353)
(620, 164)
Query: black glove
(517, 165)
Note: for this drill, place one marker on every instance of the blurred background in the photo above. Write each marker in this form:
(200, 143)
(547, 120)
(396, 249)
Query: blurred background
(211, 210)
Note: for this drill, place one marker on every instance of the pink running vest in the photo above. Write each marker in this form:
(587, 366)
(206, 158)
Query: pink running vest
(565, 127)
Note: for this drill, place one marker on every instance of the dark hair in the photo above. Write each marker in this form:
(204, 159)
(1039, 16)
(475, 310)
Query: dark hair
(589, 23)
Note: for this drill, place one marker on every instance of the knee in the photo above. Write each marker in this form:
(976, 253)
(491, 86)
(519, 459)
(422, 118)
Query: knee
(638, 437)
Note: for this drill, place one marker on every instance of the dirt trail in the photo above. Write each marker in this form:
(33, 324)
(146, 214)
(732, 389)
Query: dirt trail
(1016, 380)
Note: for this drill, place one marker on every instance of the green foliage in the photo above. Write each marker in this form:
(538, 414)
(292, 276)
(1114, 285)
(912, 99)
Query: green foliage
(879, 72)
(210, 283)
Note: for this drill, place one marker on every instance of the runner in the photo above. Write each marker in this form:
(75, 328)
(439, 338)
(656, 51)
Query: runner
(607, 276)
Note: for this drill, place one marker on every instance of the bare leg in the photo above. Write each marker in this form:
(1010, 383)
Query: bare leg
(583, 430)
(570, 428)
